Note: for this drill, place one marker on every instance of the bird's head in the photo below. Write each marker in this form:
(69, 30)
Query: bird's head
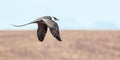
(54, 18)
(50, 17)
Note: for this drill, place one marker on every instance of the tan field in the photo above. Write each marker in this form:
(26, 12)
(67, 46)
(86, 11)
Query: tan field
(75, 45)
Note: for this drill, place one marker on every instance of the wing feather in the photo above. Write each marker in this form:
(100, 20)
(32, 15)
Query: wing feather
(55, 31)
(41, 32)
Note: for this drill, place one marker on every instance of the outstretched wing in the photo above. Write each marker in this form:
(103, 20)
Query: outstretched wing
(41, 32)
(54, 29)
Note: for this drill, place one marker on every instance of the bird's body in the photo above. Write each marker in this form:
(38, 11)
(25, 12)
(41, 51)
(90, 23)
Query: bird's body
(43, 23)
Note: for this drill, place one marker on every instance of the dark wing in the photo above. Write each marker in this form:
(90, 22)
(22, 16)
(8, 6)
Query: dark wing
(41, 32)
(55, 31)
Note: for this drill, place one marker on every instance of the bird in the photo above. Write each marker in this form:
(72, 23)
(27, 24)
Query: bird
(44, 23)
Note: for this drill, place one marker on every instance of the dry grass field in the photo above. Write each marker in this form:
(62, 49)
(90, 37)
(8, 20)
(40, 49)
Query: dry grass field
(75, 45)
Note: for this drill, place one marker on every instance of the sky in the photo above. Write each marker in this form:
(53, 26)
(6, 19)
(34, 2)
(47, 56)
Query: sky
(72, 14)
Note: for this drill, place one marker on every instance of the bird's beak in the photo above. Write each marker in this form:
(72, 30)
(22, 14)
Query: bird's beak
(57, 19)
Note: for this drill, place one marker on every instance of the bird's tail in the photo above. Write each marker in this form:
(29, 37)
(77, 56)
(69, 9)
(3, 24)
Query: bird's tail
(23, 24)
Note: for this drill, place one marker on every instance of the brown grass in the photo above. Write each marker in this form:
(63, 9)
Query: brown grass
(75, 45)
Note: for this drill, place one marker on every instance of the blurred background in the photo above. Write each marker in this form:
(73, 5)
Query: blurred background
(89, 30)
(73, 14)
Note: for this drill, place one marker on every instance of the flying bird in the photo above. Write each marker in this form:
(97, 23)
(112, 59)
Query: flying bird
(44, 23)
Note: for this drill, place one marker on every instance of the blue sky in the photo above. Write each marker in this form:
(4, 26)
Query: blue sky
(73, 14)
